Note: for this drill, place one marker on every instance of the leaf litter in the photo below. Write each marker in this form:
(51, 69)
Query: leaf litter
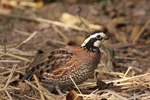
(125, 66)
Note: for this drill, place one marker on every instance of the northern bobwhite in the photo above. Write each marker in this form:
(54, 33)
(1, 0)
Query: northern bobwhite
(77, 62)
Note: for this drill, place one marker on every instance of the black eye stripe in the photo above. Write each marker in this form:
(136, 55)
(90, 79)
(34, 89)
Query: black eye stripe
(99, 37)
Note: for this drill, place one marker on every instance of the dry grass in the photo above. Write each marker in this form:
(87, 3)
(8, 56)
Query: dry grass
(127, 82)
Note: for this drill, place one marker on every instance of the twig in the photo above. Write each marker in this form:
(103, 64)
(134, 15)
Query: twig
(87, 84)
(55, 41)
(91, 94)
(128, 78)
(122, 45)
(47, 21)
(127, 72)
(45, 91)
(8, 94)
(128, 58)
(14, 56)
(78, 11)
(12, 71)
(31, 84)
(30, 98)
(12, 45)
(61, 34)
(110, 73)
(124, 84)
(7, 83)
(37, 82)
(10, 89)
(21, 32)
(106, 66)
(3, 98)
(20, 52)
(111, 92)
(77, 87)
(141, 31)
(47, 94)
(12, 61)
(146, 98)
(138, 96)
(33, 34)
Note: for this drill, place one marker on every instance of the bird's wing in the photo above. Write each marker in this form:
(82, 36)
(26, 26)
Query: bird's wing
(48, 61)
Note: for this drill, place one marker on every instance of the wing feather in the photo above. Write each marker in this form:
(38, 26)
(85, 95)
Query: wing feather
(47, 62)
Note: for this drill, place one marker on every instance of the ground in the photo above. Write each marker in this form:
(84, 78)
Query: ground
(124, 66)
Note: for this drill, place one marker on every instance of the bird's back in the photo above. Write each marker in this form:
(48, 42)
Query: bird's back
(57, 66)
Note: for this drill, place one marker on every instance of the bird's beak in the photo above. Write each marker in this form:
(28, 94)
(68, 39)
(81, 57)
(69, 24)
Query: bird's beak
(106, 37)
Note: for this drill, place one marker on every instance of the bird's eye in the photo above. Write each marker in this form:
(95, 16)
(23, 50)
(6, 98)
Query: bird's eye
(98, 36)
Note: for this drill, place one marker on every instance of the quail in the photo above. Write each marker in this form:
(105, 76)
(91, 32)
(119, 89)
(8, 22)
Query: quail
(77, 62)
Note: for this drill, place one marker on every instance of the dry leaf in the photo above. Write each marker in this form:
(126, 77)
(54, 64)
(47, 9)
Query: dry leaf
(102, 85)
(95, 27)
(14, 80)
(24, 87)
(72, 20)
(119, 35)
(75, 21)
(32, 4)
(117, 21)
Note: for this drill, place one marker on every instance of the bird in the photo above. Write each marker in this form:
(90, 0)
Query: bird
(59, 66)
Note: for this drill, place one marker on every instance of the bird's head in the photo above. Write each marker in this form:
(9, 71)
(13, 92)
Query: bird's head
(94, 40)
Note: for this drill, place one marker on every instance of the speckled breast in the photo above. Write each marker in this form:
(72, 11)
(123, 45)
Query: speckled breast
(79, 67)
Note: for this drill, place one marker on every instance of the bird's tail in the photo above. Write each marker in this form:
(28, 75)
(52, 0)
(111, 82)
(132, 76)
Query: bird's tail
(26, 77)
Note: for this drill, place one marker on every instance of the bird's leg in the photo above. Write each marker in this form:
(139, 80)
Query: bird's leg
(58, 90)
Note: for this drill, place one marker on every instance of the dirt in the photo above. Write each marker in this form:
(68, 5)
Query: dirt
(119, 21)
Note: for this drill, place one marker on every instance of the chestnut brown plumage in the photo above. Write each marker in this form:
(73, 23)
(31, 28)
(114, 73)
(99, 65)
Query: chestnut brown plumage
(77, 62)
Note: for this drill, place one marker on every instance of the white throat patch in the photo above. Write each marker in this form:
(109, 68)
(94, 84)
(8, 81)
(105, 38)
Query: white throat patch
(97, 43)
